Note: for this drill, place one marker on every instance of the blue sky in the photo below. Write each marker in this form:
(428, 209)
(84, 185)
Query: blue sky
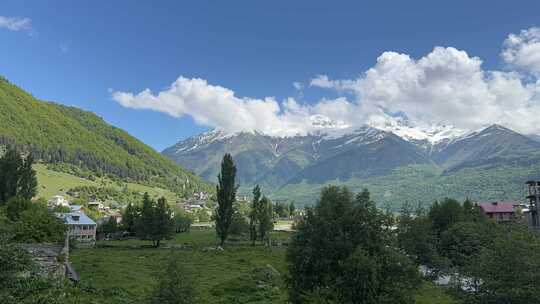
(76, 52)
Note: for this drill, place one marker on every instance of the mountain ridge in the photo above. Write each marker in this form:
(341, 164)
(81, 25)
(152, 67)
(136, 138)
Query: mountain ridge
(365, 154)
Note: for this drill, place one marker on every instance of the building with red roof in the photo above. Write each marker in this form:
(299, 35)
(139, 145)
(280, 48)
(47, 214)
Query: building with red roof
(501, 211)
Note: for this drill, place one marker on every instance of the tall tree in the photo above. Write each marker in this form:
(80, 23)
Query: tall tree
(129, 218)
(265, 219)
(162, 222)
(226, 196)
(341, 253)
(17, 178)
(253, 223)
(9, 174)
(27, 183)
(144, 222)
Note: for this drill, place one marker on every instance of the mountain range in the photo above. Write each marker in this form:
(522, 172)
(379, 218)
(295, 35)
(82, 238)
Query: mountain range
(395, 160)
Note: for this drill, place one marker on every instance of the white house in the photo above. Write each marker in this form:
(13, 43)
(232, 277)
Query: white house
(57, 201)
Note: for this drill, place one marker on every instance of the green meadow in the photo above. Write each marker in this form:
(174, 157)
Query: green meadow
(125, 271)
(58, 183)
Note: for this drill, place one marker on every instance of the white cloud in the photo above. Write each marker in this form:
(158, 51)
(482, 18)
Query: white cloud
(322, 81)
(522, 51)
(15, 23)
(218, 107)
(445, 86)
(298, 85)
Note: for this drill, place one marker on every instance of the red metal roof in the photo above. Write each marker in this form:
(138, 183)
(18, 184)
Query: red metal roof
(498, 206)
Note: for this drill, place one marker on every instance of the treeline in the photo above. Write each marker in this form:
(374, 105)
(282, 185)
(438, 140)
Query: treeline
(487, 262)
(151, 220)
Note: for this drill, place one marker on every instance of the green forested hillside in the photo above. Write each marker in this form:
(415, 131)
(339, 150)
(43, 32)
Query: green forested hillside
(55, 133)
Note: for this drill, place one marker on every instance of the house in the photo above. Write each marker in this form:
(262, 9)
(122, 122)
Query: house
(96, 205)
(501, 211)
(58, 201)
(80, 226)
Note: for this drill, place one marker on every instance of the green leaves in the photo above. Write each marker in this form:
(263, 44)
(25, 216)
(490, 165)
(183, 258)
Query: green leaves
(155, 221)
(342, 254)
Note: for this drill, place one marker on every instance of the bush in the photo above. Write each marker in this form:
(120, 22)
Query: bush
(174, 285)
(239, 225)
(38, 224)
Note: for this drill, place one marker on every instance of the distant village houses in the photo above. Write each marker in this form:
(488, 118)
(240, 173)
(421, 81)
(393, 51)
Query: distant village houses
(58, 201)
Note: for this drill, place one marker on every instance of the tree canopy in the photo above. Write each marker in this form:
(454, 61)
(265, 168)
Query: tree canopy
(17, 178)
(341, 253)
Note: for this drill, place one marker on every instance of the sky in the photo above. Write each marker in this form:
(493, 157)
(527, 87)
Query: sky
(167, 70)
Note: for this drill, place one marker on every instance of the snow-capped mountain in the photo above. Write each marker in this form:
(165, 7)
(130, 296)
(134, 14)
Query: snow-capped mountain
(361, 156)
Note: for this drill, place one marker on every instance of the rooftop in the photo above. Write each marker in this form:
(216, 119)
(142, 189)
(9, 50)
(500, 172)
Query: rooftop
(76, 218)
(499, 206)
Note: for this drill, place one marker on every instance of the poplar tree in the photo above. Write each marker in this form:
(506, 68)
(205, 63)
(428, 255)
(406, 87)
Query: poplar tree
(226, 196)
(253, 220)
(265, 218)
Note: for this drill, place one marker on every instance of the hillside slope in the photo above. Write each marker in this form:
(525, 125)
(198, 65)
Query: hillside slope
(55, 133)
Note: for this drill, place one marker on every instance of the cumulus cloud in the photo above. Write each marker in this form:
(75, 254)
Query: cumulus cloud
(445, 86)
(522, 51)
(15, 23)
(219, 107)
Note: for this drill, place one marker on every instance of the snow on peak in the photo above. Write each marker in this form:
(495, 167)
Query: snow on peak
(434, 133)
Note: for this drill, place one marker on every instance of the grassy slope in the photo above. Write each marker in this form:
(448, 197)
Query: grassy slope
(124, 272)
(57, 133)
(57, 183)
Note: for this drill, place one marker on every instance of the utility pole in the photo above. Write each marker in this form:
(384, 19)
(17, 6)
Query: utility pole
(534, 202)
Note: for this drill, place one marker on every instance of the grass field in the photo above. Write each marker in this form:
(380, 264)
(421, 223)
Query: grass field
(124, 272)
(57, 183)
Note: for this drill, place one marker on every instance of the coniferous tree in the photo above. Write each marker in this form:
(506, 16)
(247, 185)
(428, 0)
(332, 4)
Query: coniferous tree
(226, 196)
(253, 219)
(9, 167)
